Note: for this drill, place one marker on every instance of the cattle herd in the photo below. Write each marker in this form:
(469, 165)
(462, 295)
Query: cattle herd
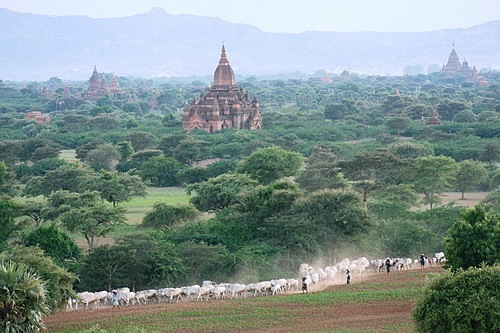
(310, 279)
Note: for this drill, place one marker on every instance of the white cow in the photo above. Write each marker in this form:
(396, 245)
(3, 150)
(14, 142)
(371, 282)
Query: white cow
(88, 298)
(102, 297)
(204, 291)
(219, 292)
(440, 257)
(292, 284)
(191, 290)
(237, 289)
(172, 293)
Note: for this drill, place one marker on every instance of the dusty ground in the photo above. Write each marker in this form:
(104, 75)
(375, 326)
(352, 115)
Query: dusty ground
(380, 315)
(470, 199)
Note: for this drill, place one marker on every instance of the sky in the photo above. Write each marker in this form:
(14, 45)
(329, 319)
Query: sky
(291, 16)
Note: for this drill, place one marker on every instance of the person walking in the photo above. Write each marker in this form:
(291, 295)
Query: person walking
(115, 299)
(304, 285)
(388, 265)
(348, 273)
(422, 261)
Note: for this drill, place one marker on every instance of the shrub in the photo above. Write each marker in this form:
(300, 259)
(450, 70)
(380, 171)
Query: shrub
(466, 301)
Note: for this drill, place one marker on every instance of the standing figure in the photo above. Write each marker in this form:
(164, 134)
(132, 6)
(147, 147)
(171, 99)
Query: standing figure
(388, 265)
(348, 273)
(115, 300)
(304, 285)
(422, 261)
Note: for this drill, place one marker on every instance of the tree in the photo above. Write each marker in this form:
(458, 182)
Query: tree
(165, 216)
(410, 150)
(397, 123)
(126, 150)
(41, 167)
(491, 152)
(470, 173)
(114, 187)
(66, 177)
(190, 150)
(169, 144)
(58, 281)
(447, 108)
(33, 210)
(461, 302)
(321, 171)
(200, 258)
(433, 175)
(55, 243)
(103, 157)
(105, 122)
(141, 140)
(8, 211)
(161, 171)
(493, 199)
(85, 213)
(23, 300)
(102, 269)
(47, 149)
(9, 151)
(138, 261)
(50, 151)
(219, 192)
(269, 164)
(334, 217)
(465, 116)
(474, 239)
(368, 171)
(393, 201)
(132, 107)
(6, 180)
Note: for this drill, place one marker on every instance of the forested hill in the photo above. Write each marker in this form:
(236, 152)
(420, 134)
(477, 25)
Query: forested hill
(36, 47)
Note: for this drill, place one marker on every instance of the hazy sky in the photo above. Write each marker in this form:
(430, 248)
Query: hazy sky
(291, 15)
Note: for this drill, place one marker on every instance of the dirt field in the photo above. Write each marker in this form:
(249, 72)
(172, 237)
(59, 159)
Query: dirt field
(470, 199)
(376, 303)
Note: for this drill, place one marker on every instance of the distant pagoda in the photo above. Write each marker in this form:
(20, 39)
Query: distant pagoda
(455, 67)
(223, 105)
(98, 87)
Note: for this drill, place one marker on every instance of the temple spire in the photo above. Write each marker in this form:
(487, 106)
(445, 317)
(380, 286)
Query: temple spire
(224, 75)
(223, 57)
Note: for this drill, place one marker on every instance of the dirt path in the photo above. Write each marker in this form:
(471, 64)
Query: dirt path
(362, 310)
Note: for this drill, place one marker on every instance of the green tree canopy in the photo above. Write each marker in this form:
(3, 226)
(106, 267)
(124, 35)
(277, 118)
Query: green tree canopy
(165, 216)
(474, 239)
(161, 171)
(200, 258)
(6, 180)
(219, 192)
(66, 177)
(335, 216)
(463, 302)
(55, 243)
(58, 281)
(85, 213)
(434, 174)
(103, 157)
(470, 174)
(8, 211)
(321, 171)
(114, 187)
(269, 164)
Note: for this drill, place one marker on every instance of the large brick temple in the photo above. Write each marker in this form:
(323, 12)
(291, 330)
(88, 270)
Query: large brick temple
(223, 105)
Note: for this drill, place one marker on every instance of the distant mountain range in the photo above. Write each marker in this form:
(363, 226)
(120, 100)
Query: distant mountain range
(155, 44)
